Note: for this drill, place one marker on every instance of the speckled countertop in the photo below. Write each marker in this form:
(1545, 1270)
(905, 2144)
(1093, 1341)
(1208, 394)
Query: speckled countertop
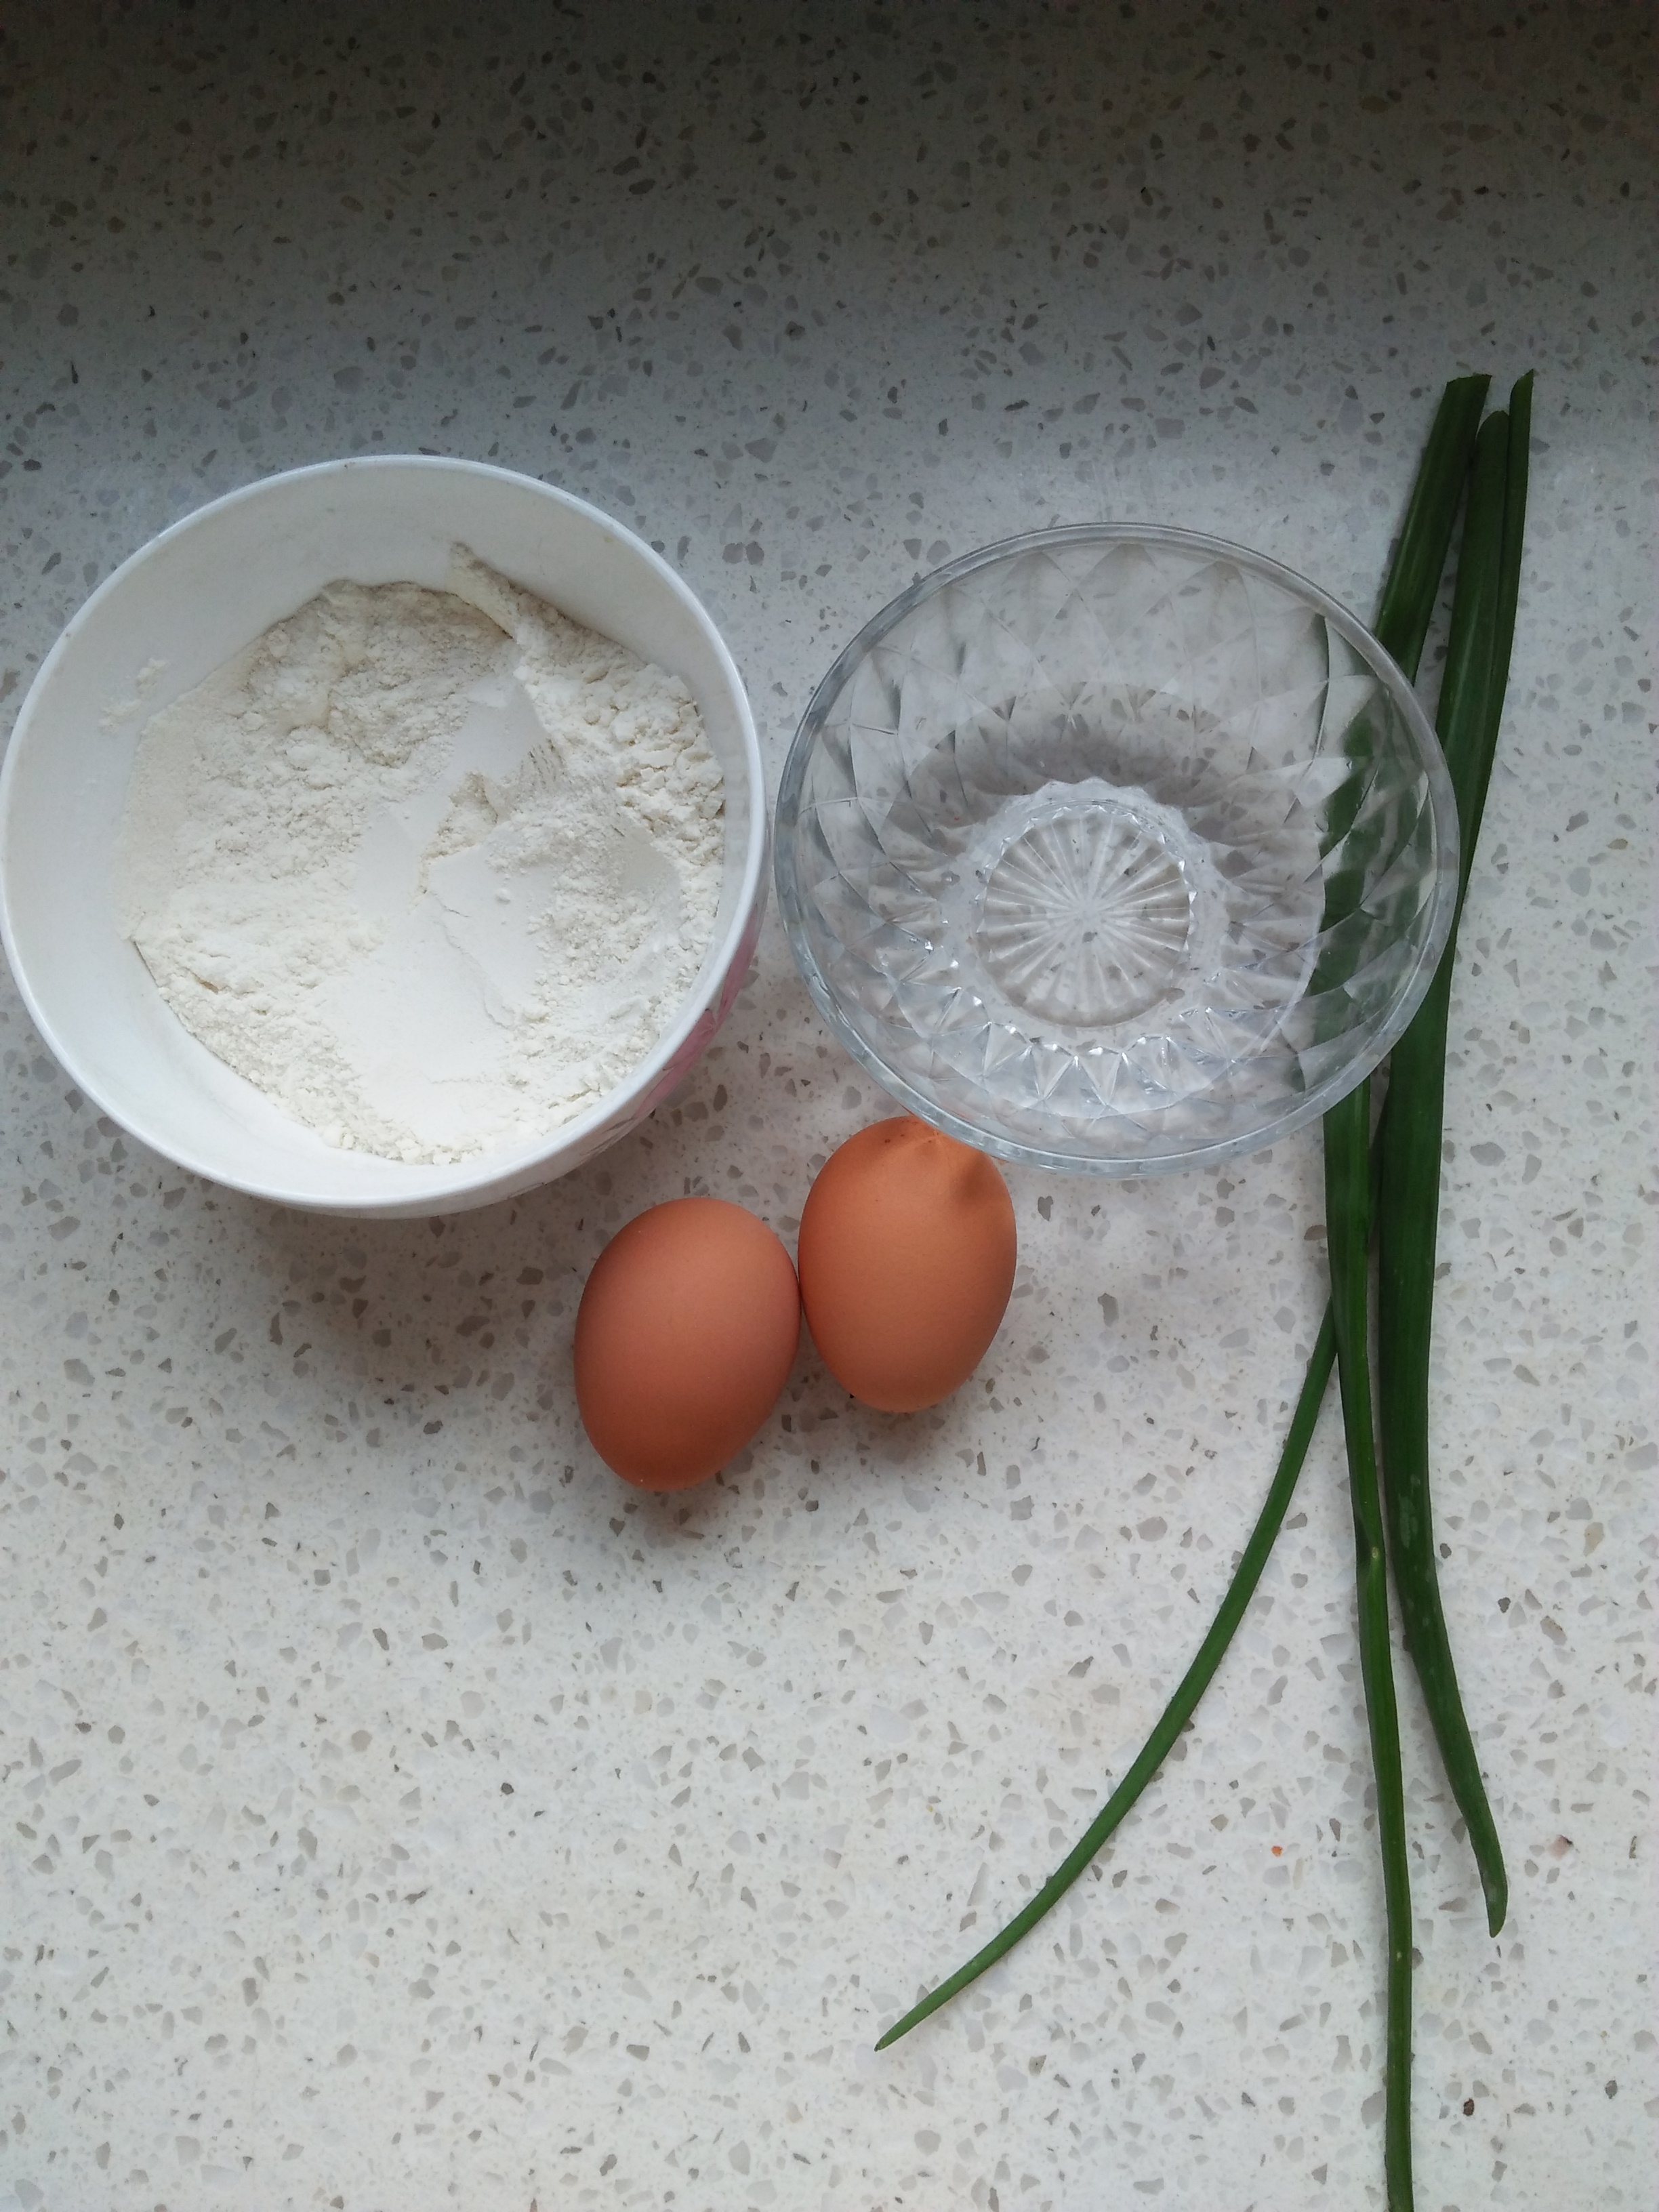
(397, 1812)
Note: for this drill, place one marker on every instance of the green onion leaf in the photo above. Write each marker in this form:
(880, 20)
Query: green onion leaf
(1471, 706)
(1347, 1228)
(1177, 1713)
(1406, 606)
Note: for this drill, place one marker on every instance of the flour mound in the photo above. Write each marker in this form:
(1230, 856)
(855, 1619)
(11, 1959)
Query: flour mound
(433, 870)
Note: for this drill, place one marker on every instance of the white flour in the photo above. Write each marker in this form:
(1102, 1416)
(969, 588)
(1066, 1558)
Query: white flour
(433, 869)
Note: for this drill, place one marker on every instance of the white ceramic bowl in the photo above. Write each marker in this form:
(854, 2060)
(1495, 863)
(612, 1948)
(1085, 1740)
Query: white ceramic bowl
(189, 600)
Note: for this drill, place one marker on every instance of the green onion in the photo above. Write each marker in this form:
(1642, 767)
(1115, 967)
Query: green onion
(1472, 698)
(1403, 622)
(1178, 1711)
(1407, 603)
(1347, 1228)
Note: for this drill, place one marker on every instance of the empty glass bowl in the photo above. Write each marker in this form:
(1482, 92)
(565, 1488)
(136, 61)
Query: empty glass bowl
(1116, 848)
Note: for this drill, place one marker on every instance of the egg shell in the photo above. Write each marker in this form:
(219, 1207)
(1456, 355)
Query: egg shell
(686, 1335)
(907, 1257)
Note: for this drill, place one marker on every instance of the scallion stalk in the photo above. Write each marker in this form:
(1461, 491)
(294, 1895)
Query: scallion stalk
(1347, 1228)
(1471, 699)
(1406, 607)
(1179, 1711)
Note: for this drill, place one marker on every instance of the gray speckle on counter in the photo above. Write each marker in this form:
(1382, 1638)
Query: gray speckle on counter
(399, 1811)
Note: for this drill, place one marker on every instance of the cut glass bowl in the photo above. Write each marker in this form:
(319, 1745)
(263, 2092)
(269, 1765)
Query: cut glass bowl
(1116, 848)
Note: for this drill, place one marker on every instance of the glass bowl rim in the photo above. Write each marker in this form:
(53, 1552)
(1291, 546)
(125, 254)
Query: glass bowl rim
(1324, 1095)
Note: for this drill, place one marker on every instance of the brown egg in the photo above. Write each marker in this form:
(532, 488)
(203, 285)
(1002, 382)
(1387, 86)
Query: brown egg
(907, 1259)
(686, 1333)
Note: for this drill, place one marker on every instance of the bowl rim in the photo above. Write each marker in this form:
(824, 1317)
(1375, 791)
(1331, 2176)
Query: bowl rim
(1324, 1095)
(486, 1177)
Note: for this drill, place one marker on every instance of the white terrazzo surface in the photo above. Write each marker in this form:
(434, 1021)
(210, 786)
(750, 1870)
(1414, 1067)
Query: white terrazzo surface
(398, 1813)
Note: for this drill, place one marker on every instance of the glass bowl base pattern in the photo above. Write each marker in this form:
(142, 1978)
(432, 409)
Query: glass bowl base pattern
(1115, 849)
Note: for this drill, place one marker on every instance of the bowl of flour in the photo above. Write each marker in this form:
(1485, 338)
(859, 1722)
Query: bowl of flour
(385, 838)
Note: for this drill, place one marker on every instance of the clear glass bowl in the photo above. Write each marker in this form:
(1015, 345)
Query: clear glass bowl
(1116, 848)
